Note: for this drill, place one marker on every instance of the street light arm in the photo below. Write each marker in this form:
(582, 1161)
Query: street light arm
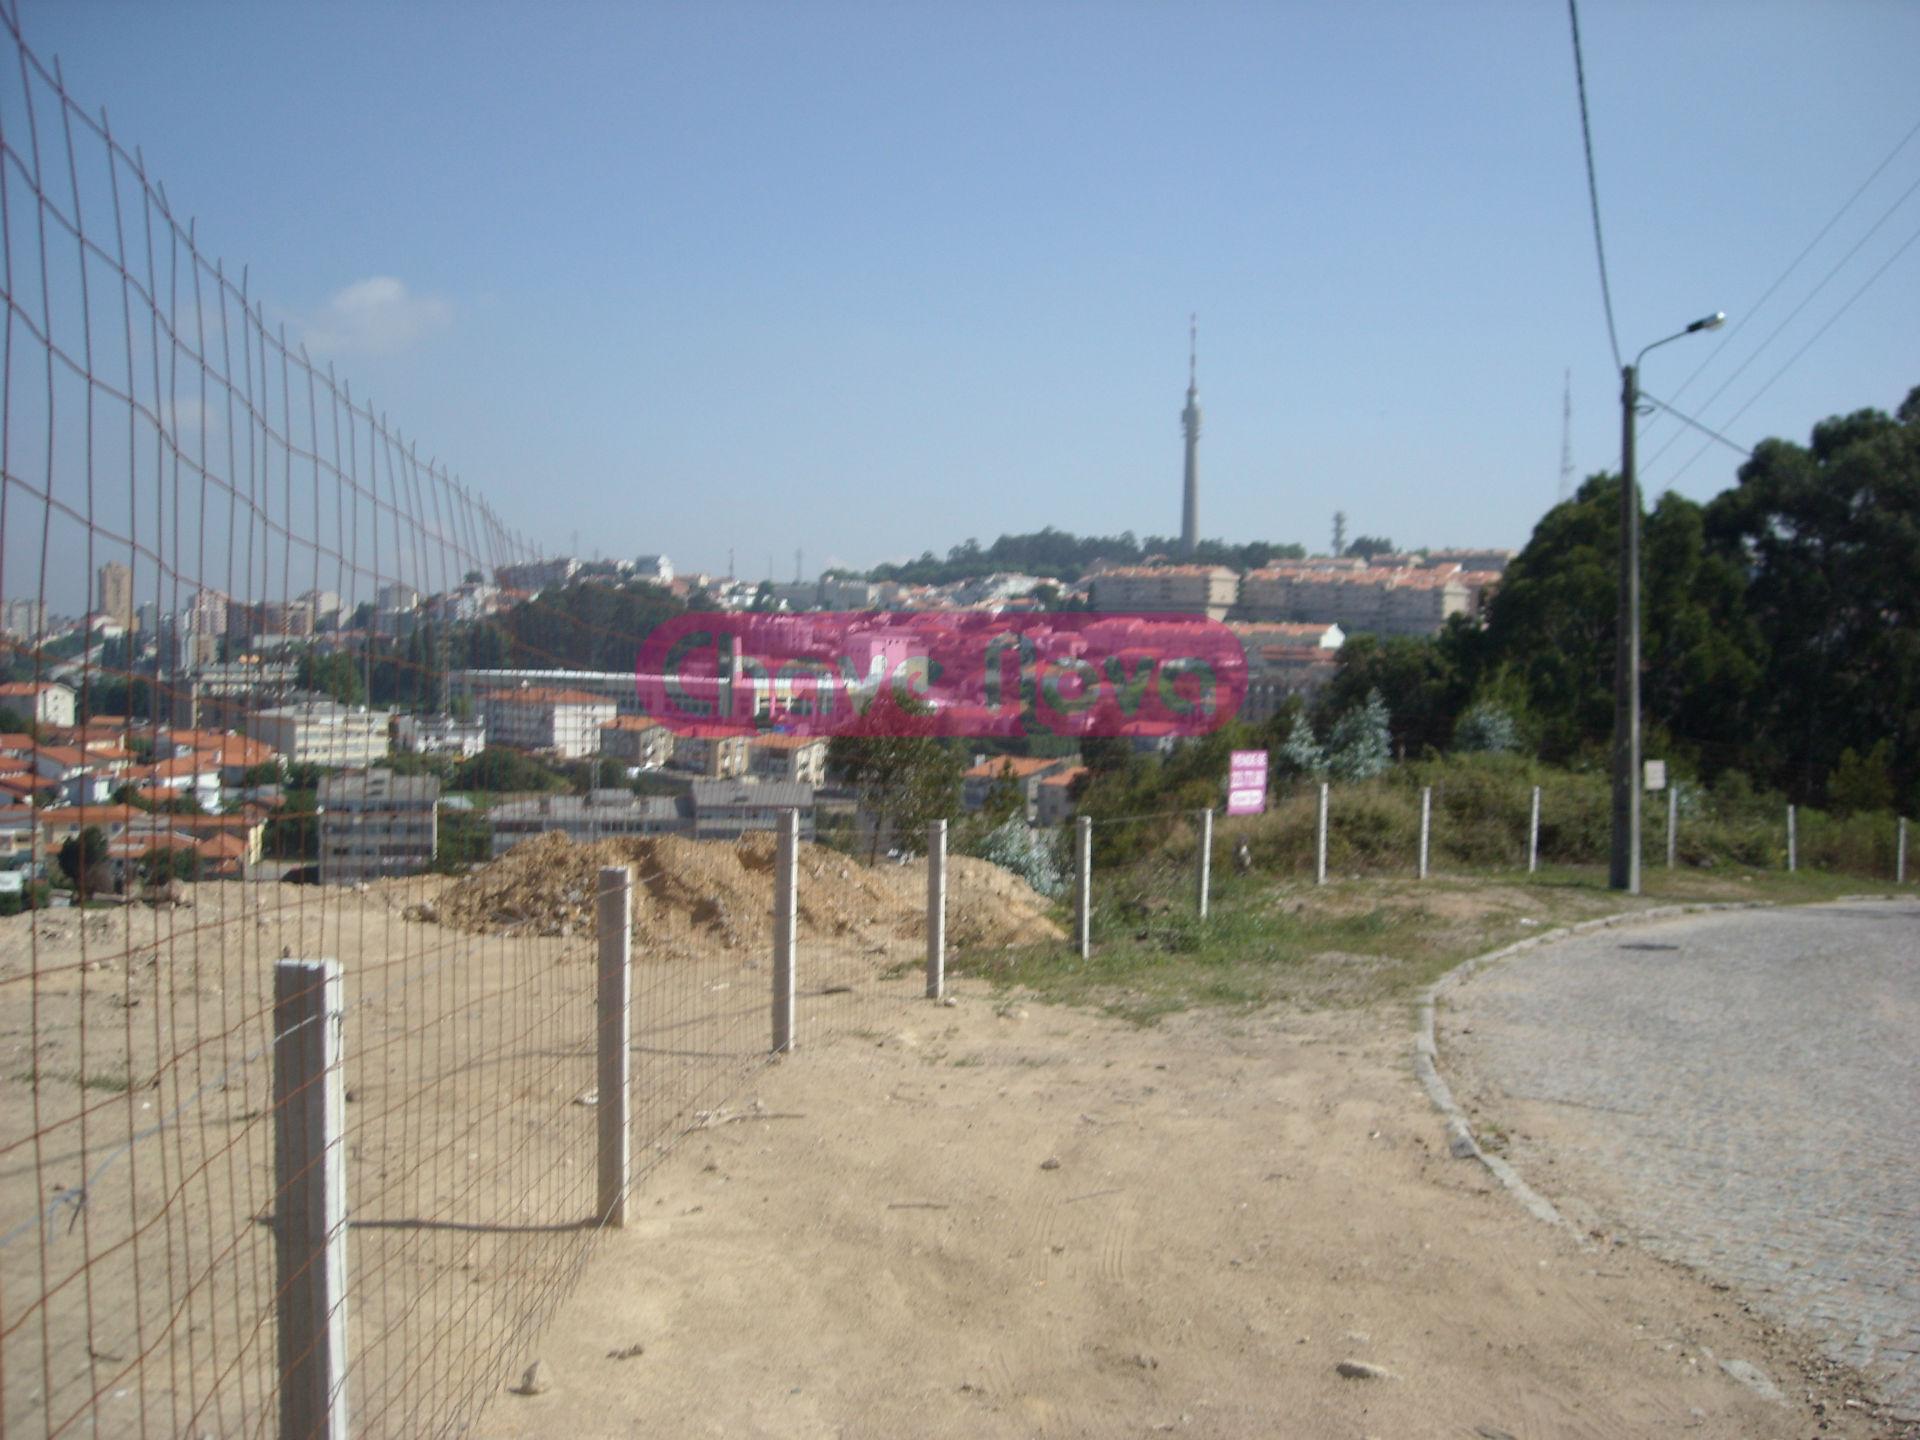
(1710, 322)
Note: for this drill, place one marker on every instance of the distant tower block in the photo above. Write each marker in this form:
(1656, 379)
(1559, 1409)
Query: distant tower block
(1190, 423)
(1339, 533)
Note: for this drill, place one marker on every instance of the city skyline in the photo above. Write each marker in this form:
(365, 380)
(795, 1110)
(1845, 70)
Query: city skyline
(813, 276)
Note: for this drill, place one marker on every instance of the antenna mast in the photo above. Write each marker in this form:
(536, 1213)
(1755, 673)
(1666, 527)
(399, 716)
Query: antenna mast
(1566, 441)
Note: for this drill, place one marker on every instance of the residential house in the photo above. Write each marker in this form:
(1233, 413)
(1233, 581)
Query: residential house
(1054, 796)
(439, 735)
(1024, 771)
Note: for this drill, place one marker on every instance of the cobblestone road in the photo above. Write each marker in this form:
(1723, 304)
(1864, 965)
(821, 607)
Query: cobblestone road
(1738, 1091)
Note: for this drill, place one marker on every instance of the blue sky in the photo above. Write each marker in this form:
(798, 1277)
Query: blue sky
(870, 278)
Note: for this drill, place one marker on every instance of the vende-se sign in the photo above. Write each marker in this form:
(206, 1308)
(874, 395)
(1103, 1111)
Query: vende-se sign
(1247, 782)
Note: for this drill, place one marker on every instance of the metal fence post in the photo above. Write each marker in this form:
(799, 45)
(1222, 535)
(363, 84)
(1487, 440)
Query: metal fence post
(1203, 872)
(1533, 835)
(1426, 825)
(1083, 886)
(786, 914)
(936, 909)
(1673, 823)
(613, 1039)
(1793, 842)
(1320, 839)
(310, 1198)
(1900, 853)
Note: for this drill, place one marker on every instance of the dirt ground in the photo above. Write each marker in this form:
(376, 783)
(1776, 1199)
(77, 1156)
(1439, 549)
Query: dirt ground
(997, 1219)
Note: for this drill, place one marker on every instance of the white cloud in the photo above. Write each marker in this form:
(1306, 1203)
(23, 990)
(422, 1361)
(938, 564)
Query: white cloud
(375, 316)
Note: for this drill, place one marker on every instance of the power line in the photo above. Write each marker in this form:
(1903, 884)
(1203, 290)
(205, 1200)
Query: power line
(1825, 229)
(1655, 400)
(1833, 319)
(1593, 186)
(1794, 314)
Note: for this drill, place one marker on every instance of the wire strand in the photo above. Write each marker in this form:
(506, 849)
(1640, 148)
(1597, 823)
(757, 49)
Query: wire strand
(1593, 184)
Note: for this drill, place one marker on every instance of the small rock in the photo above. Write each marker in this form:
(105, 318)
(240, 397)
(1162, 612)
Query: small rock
(1492, 1432)
(948, 1001)
(1052, 1162)
(1361, 1370)
(627, 1352)
(1146, 1361)
(1755, 1379)
(536, 1381)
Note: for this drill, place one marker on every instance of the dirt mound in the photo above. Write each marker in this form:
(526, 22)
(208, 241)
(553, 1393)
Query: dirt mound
(693, 892)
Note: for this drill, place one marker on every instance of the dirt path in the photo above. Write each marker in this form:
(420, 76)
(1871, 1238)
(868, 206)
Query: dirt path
(886, 1248)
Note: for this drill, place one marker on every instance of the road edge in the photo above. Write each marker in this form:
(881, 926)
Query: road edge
(1461, 1141)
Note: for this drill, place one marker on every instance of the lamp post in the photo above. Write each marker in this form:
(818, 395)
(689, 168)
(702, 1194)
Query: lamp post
(1624, 871)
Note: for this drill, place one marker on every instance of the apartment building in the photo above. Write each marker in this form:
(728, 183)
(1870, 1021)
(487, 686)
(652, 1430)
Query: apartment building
(637, 740)
(375, 824)
(323, 732)
(728, 809)
(599, 815)
(711, 750)
(538, 717)
(1209, 590)
(439, 735)
(799, 758)
(1366, 601)
(45, 702)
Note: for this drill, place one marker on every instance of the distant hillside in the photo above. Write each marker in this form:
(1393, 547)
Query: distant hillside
(1058, 555)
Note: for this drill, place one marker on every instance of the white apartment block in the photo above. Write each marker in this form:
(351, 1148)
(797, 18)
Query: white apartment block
(636, 740)
(439, 735)
(788, 757)
(46, 702)
(322, 732)
(1370, 601)
(536, 717)
(375, 824)
(1209, 590)
(716, 753)
(584, 819)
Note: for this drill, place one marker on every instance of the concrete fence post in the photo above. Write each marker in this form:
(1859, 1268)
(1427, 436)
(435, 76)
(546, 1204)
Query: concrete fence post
(1900, 852)
(1673, 823)
(1793, 842)
(310, 1198)
(1083, 886)
(1203, 871)
(1320, 838)
(936, 909)
(613, 1046)
(1426, 826)
(1533, 835)
(786, 916)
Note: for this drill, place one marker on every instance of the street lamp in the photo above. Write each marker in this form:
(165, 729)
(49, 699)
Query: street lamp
(1624, 872)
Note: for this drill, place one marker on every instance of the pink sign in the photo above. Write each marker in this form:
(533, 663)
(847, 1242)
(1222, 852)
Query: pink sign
(1247, 782)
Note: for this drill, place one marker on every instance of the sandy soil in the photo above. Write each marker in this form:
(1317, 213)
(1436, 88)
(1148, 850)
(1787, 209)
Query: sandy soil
(988, 1220)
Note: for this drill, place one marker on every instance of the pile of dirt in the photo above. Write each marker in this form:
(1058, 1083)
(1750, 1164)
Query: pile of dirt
(694, 892)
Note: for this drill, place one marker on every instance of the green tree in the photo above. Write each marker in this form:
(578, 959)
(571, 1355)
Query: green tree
(1361, 745)
(1827, 536)
(498, 770)
(1300, 755)
(83, 860)
(1486, 729)
(335, 674)
(903, 775)
(171, 862)
(1862, 782)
